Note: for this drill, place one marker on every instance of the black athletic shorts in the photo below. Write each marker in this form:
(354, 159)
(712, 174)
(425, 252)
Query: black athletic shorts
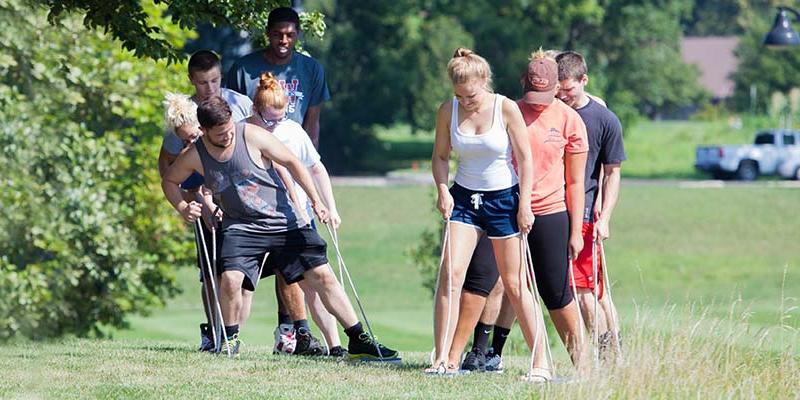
(482, 272)
(291, 253)
(549, 242)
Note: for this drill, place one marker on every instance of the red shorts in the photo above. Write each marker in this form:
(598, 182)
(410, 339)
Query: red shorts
(582, 267)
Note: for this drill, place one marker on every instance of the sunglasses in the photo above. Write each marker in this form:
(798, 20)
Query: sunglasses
(269, 123)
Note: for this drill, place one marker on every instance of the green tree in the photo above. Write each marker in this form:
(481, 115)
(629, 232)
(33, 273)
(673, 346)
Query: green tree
(86, 237)
(760, 68)
(385, 63)
(635, 60)
(713, 18)
(129, 22)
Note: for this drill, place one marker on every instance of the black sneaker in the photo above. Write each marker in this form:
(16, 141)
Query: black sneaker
(206, 338)
(307, 344)
(338, 352)
(366, 348)
(475, 361)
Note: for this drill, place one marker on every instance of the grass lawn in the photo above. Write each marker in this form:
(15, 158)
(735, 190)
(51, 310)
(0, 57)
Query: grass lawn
(706, 281)
(656, 149)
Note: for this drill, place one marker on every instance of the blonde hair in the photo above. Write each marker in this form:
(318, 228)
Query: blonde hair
(466, 65)
(550, 53)
(543, 55)
(179, 110)
(269, 93)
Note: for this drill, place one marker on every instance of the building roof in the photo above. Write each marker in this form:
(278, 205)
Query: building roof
(714, 56)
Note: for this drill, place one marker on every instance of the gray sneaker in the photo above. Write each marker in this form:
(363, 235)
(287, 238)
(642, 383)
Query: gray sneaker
(494, 363)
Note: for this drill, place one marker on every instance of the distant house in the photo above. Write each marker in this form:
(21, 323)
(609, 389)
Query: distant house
(714, 56)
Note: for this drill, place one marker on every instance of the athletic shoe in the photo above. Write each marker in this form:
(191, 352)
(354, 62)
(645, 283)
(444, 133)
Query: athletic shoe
(494, 363)
(538, 376)
(285, 341)
(338, 352)
(233, 343)
(307, 344)
(364, 349)
(475, 361)
(206, 339)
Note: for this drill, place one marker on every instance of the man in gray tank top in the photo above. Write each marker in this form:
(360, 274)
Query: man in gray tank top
(236, 162)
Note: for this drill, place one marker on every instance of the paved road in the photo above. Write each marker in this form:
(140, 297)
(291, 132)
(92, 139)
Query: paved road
(409, 178)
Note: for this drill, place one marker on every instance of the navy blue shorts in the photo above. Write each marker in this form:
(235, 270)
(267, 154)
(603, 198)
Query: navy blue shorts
(494, 212)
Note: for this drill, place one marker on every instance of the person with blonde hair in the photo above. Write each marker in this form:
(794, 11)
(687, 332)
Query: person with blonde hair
(485, 130)
(269, 112)
(260, 223)
(559, 142)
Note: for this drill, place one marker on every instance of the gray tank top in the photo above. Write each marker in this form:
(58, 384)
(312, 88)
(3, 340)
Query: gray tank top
(252, 198)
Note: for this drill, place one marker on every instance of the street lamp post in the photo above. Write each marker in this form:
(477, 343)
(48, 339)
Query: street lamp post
(782, 34)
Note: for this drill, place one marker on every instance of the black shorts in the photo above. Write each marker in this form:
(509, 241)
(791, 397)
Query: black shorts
(549, 242)
(482, 272)
(291, 253)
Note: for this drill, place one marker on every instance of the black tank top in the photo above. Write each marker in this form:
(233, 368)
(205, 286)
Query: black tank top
(252, 198)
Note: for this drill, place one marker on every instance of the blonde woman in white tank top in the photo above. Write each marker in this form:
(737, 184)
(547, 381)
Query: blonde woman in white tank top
(483, 129)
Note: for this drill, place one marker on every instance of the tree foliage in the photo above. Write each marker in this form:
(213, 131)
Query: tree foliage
(760, 68)
(86, 237)
(128, 21)
(385, 64)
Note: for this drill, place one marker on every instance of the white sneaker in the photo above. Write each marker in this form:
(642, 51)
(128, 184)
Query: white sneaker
(285, 340)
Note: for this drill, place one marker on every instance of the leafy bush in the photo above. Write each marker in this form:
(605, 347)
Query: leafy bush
(86, 237)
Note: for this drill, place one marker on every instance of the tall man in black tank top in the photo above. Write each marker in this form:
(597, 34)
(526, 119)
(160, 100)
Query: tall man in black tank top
(236, 162)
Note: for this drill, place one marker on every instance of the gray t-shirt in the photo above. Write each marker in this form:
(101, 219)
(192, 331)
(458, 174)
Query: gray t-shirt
(302, 79)
(605, 147)
(241, 109)
(252, 198)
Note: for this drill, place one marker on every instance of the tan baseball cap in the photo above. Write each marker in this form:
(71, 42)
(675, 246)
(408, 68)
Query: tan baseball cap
(540, 82)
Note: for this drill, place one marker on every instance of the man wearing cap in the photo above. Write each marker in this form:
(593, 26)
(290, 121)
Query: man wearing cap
(559, 145)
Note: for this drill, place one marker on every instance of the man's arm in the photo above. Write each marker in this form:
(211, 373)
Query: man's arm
(311, 123)
(272, 148)
(181, 169)
(610, 194)
(575, 164)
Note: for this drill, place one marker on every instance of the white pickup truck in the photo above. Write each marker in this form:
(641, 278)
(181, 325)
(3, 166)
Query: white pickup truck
(748, 161)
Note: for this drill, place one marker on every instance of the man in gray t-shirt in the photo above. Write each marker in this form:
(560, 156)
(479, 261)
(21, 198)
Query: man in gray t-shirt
(205, 74)
(302, 77)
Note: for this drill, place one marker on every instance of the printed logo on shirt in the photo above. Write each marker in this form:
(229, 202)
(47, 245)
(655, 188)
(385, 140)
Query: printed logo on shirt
(295, 96)
(553, 136)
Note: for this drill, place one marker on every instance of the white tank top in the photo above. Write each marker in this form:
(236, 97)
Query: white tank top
(484, 160)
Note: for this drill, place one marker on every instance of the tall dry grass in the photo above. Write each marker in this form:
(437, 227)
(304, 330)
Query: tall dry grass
(682, 352)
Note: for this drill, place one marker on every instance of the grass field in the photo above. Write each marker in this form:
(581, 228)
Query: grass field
(656, 149)
(706, 281)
